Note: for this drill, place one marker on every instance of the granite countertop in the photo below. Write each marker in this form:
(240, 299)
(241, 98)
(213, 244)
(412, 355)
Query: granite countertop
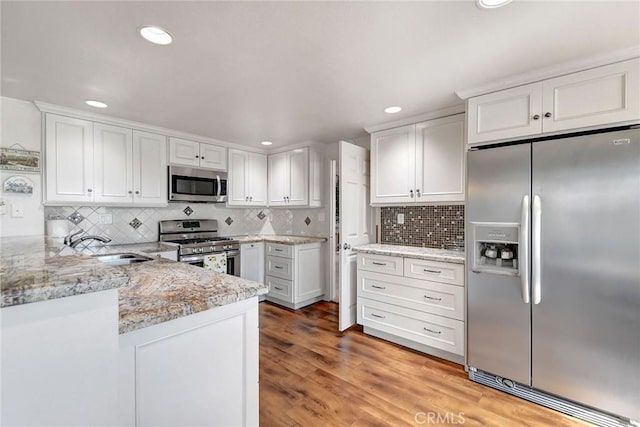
(285, 240)
(152, 292)
(430, 254)
(31, 271)
(163, 290)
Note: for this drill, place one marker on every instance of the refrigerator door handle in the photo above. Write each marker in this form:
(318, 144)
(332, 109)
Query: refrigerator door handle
(535, 247)
(524, 249)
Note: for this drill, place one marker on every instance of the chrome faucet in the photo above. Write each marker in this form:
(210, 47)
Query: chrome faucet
(73, 243)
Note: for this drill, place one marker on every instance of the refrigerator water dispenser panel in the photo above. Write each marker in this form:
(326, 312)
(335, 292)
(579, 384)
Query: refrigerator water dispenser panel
(496, 248)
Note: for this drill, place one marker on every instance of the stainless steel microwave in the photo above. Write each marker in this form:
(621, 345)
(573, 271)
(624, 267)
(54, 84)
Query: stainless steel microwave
(197, 185)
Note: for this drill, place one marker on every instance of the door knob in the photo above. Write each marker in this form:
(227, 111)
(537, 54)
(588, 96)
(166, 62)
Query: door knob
(346, 246)
(536, 117)
(547, 115)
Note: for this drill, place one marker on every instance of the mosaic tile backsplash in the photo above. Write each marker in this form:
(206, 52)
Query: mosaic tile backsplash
(424, 226)
(139, 225)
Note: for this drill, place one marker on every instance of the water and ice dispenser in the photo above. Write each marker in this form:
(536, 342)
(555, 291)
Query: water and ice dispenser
(495, 247)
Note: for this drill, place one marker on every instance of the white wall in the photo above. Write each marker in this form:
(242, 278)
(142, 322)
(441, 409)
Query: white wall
(21, 124)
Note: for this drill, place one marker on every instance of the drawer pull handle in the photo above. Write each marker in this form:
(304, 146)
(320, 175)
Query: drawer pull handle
(378, 287)
(432, 331)
(433, 271)
(432, 298)
(377, 315)
(278, 250)
(277, 288)
(278, 267)
(378, 263)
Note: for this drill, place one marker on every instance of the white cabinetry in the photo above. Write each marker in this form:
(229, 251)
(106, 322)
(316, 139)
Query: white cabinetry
(419, 163)
(252, 261)
(247, 179)
(295, 274)
(316, 178)
(596, 97)
(95, 163)
(191, 153)
(289, 178)
(413, 302)
(69, 159)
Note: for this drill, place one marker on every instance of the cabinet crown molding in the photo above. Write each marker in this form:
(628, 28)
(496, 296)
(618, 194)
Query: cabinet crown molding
(557, 70)
(100, 118)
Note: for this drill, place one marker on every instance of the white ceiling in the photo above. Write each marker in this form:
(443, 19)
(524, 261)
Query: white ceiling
(290, 71)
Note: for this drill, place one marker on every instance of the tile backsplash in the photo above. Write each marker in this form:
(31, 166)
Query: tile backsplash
(424, 226)
(138, 225)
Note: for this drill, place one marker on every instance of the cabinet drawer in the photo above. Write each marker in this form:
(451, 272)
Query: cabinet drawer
(428, 329)
(429, 297)
(281, 289)
(276, 249)
(443, 272)
(280, 267)
(380, 264)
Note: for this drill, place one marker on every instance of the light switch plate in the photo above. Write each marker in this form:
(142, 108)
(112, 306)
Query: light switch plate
(400, 218)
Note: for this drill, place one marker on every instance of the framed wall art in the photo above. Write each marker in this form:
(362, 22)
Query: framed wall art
(16, 159)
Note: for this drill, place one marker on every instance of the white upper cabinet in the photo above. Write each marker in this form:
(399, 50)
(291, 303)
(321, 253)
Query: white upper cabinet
(440, 160)
(149, 168)
(506, 114)
(419, 163)
(247, 179)
(289, 178)
(393, 165)
(69, 159)
(95, 163)
(198, 154)
(316, 178)
(113, 164)
(596, 97)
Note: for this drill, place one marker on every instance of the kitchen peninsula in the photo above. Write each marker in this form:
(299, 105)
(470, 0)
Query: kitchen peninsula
(151, 343)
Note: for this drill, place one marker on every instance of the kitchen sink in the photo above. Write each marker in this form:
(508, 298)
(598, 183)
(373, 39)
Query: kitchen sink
(122, 259)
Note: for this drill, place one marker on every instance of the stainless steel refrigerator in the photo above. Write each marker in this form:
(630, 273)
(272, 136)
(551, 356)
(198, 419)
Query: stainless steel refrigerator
(553, 285)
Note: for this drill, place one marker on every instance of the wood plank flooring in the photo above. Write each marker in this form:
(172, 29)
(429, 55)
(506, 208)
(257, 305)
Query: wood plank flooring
(313, 375)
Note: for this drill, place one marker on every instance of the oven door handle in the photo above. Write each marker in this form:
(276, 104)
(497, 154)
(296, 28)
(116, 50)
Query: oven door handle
(192, 258)
(231, 254)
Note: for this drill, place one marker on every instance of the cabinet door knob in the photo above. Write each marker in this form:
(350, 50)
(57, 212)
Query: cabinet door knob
(130, 192)
(202, 157)
(250, 198)
(89, 190)
(411, 193)
(547, 114)
(197, 157)
(536, 117)
(137, 192)
(418, 194)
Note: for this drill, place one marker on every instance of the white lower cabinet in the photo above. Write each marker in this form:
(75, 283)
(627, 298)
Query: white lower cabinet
(413, 302)
(295, 274)
(252, 261)
(198, 370)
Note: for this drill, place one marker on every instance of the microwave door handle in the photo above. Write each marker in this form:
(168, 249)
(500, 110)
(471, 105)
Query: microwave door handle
(219, 185)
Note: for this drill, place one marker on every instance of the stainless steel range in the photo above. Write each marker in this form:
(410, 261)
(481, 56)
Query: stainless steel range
(198, 238)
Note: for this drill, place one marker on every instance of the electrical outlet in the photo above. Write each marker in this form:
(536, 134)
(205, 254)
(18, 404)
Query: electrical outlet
(3, 207)
(105, 219)
(321, 217)
(400, 218)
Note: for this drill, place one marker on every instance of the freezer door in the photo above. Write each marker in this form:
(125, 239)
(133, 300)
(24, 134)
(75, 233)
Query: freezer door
(498, 319)
(586, 327)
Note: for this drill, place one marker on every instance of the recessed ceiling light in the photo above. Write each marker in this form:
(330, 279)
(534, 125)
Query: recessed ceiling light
(155, 34)
(491, 4)
(266, 143)
(392, 110)
(96, 104)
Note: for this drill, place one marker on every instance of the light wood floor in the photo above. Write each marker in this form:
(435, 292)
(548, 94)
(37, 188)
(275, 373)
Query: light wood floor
(313, 375)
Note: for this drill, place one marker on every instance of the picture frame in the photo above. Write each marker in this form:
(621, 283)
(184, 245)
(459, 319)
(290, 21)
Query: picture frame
(19, 160)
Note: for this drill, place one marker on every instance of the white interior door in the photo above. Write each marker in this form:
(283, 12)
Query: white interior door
(334, 253)
(355, 218)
